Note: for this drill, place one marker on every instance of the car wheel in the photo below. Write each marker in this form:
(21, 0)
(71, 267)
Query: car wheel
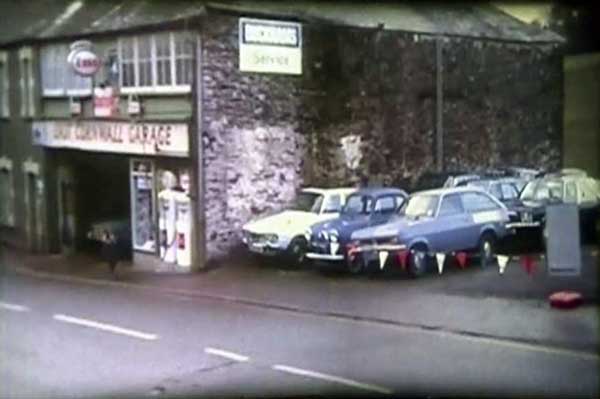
(296, 252)
(487, 249)
(417, 264)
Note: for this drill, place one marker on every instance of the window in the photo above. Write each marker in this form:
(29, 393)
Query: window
(421, 206)
(496, 191)
(358, 204)
(27, 82)
(509, 192)
(58, 77)
(308, 202)
(385, 205)
(7, 193)
(333, 204)
(157, 63)
(477, 202)
(451, 205)
(4, 86)
(571, 192)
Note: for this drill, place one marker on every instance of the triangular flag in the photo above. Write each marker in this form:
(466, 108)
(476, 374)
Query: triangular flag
(528, 262)
(402, 257)
(461, 257)
(383, 255)
(441, 257)
(333, 247)
(502, 262)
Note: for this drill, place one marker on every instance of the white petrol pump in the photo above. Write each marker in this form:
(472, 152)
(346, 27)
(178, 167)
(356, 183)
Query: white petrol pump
(174, 221)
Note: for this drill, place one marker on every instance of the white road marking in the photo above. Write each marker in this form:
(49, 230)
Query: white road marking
(105, 327)
(227, 354)
(332, 378)
(14, 307)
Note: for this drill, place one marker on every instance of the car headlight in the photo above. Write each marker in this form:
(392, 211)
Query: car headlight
(307, 234)
(334, 236)
(272, 238)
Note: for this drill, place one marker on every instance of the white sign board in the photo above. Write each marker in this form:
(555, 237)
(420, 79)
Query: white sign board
(167, 139)
(563, 244)
(270, 46)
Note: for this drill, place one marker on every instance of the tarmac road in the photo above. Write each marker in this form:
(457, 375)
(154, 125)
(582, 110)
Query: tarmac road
(64, 339)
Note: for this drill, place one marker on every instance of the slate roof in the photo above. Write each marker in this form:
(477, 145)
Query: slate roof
(47, 19)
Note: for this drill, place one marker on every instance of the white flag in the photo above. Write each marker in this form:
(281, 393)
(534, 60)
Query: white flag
(383, 255)
(440, 261)
(333, 247)
(502, 262)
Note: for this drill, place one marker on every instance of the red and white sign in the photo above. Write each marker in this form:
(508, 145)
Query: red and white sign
(168, 139)
(106, 103)
(83, 60)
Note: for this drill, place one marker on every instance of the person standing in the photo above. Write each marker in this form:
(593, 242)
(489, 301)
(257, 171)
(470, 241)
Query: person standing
(110, 252)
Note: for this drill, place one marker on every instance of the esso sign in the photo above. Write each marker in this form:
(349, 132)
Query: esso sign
(83, 60)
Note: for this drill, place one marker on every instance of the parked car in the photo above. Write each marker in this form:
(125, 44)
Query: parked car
(435, 221)
(367, 207)
(283, 232)
(505, 189)
(568, 186)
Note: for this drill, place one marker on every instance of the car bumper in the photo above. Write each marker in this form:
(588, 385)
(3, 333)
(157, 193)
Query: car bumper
(325, 257)
(522, 225)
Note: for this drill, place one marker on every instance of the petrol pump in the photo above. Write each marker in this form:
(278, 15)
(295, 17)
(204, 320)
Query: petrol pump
(175, 221)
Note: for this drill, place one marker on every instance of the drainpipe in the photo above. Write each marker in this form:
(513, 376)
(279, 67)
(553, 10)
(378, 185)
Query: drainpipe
(439, 137)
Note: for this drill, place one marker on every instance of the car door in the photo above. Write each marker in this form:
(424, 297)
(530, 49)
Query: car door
(451, 225)
(483, 211)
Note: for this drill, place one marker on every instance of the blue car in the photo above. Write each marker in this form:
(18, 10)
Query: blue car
(367, 207)
(435, 221)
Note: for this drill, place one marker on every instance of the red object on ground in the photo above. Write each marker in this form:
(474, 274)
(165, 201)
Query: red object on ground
(565, 299)
(461, 257)
(402, 256)
(529, 263)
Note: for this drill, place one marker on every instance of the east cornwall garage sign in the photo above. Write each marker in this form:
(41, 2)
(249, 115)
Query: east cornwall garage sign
(270, 46)
(167, 139)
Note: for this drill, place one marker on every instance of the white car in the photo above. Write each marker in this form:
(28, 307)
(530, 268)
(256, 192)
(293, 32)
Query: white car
(284, 233)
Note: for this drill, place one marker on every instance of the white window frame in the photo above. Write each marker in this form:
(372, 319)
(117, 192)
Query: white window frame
(27, 82)
(6, 166)
(173, 88)
(5, 86)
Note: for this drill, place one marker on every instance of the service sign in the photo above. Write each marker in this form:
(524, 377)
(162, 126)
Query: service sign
(166, 139)
(270, 46)
(83, 60)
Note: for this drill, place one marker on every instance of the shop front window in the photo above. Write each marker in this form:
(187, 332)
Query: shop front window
(142, 192)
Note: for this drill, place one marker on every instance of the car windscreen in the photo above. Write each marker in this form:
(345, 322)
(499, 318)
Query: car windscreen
(423, 205)
(358, 205)
(541, 190)
(308, 202)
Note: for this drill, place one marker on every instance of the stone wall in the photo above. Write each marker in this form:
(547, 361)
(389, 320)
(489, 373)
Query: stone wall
(364, 110)
(253, 149)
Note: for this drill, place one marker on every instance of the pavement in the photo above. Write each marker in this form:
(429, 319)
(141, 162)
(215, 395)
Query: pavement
(471, 301)
(64, 338)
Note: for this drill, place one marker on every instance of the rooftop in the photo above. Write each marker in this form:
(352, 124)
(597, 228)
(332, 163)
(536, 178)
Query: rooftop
(47, 19)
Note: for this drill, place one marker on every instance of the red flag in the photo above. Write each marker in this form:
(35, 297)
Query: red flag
(461, 257)
(402, 256)
(529, 263)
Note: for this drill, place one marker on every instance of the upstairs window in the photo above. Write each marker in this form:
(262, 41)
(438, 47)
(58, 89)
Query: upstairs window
(4, 86)
(58, 77)
(27, 82)
(7, 193)
(156, 63)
